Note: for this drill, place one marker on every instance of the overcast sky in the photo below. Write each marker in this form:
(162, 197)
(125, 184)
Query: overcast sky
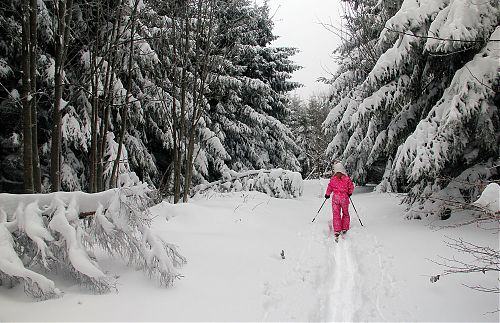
(297, 22)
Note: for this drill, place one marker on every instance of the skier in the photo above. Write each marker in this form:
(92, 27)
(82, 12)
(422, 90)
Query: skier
(342, 187)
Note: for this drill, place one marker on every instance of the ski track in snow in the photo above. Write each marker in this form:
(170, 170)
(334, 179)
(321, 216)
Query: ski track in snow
(342, 290)
(348, 281)
(357, 279)
(342, 300)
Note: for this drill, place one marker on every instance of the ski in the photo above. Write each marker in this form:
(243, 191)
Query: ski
(340, 234)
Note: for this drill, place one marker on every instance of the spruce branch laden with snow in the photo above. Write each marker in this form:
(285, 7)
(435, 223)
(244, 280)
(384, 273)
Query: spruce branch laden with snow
(48, 234)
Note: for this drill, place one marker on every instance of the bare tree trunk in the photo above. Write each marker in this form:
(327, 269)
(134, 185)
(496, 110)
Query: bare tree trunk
(117, 161)
(175, 161)
(101, 142)
(191, 133)
(179, 121)
(109, 96)
(64, 14)
(204, 67)
(26, 100)
(189, 165)
(37, 181)
(94, 120)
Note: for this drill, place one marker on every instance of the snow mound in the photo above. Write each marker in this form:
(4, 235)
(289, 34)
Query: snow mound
(490, 198)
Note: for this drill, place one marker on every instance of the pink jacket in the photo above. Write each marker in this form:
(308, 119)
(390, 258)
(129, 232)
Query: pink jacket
(340, 187)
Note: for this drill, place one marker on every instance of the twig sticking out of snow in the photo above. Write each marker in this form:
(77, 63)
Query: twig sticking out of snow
(484, 259)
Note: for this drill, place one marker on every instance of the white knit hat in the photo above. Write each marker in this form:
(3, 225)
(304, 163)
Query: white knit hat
(339, 168)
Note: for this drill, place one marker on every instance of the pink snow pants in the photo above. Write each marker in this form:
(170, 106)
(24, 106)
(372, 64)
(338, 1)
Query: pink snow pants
(340, 222)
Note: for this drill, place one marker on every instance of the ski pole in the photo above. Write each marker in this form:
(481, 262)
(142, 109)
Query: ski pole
(355, 210)
(319, 210)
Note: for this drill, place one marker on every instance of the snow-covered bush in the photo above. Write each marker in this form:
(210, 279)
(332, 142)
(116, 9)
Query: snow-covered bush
(59, 232)
(277, 183)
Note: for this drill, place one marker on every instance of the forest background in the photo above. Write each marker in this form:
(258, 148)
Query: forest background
(182, 92)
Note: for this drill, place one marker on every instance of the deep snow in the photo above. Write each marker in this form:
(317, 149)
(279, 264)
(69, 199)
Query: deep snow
(233, 242)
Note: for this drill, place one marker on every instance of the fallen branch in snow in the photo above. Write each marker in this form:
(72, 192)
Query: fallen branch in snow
(12, 270)
(203, 187)
(84, 215)
(87, 202)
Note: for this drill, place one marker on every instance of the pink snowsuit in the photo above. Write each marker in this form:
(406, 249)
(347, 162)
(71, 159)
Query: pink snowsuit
(341, 189)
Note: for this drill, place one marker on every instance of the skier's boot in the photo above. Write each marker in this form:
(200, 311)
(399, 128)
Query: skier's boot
(337, 234)
(343, 233)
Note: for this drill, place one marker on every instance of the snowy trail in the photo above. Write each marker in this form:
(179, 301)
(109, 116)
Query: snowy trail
(353, 280)
(349, 295)
(343, 296)
(235, 272)
(332, 273)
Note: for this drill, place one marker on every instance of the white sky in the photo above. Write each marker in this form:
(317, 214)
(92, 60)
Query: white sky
(297, 23)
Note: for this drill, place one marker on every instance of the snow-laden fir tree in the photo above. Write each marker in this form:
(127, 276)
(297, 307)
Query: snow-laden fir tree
(358, 55)
(428, 108)
(248, 100)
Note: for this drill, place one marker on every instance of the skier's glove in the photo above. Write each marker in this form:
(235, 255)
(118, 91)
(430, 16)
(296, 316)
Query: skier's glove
(327, 196)
(349, 194)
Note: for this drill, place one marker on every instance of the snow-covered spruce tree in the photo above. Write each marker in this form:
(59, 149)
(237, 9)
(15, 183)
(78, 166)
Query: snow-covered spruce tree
(95, 84)
(123, 91)
(358, 54)
(15, 103)
(461, 129)
(187, 44)
(248, 101)
(427, 108)
(41, 233)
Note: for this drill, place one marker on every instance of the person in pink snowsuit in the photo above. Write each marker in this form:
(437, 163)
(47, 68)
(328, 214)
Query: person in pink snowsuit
(342, 187)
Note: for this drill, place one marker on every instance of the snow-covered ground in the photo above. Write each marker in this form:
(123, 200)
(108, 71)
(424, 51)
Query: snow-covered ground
(233, 242)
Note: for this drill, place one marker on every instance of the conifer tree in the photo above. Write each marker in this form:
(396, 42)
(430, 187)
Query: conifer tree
(426, 110)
